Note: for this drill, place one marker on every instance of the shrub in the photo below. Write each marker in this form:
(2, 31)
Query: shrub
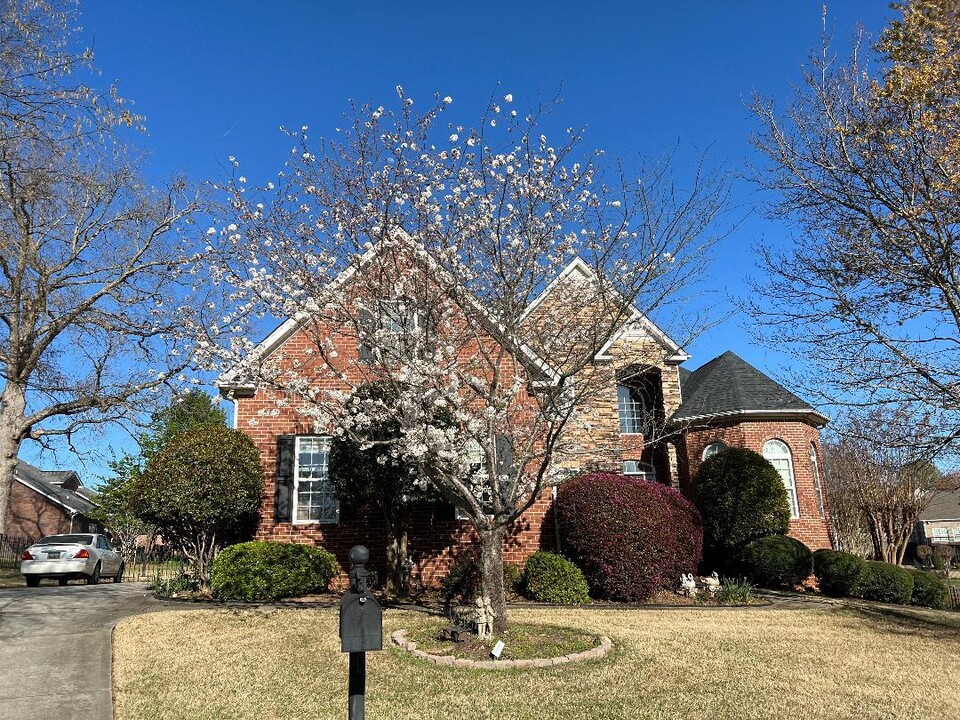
(258, 570)
(925, 555)
(741, 498)
(630, 537)
(929, 590)
(554, 579)
(884, 582)
(462, 581)
(838, 573)
(777, 561)
(512, 578)
(943, 556)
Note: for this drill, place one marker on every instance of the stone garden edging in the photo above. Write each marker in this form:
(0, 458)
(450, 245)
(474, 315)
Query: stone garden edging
(399, 638)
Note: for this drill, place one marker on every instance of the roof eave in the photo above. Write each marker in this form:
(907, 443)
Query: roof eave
(810, 415)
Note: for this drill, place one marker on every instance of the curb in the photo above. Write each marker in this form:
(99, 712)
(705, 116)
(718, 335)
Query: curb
(399, 638)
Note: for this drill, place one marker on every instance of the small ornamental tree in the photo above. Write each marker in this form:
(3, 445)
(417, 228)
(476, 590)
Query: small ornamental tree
(741, 498)
(368, 470)
(202, 491)
(630, 537)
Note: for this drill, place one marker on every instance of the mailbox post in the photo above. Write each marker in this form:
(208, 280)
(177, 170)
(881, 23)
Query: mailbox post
(361, 629)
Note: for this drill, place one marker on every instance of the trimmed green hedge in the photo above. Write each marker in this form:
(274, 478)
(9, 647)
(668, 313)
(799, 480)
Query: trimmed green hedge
(884, 582)
(554, 579)
(929, 590)
(259, 570)
(838, 573)
(777, 561)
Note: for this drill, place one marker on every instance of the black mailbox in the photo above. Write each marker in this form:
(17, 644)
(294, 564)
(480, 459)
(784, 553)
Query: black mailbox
(361, 617)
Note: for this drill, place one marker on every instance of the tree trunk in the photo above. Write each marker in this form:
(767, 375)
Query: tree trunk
(13, 403)
(394, 579)
(491, 575)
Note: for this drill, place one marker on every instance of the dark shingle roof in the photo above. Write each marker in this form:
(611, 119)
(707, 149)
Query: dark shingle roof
(49, 482)
(728, 385)
(945, 505)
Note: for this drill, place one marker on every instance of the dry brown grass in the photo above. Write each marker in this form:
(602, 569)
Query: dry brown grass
(668, 664)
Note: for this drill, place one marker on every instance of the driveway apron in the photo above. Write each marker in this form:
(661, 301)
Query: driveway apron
(55, 648)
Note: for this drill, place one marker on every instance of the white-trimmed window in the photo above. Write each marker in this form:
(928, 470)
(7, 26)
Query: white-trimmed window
(940, 534)
(712, 449)
(632, 410)
(479, 480)
(635, 468)
(817, 485)
(396, 327)
(778, 454)
(315, 500)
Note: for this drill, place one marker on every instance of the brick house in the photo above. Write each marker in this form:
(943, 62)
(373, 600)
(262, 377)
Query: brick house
(48, 502)
(939, 523)
(643, 393)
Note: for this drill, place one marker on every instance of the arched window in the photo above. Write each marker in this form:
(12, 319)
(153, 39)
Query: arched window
(632, 410)
(712, 449)
(817, 486)
(635, 468)
(778, 454)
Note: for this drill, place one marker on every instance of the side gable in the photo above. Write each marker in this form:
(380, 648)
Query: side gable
(55, 486)
(638, 324)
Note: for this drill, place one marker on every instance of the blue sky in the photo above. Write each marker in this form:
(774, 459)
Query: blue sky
(216, 79)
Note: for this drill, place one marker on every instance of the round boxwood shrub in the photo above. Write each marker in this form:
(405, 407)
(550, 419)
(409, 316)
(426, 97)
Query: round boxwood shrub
(256, 571)
(777, 561)
(884, 582)
(554, 579)
(630, 537)
(741, 498)
(929, 590)
(838, 573)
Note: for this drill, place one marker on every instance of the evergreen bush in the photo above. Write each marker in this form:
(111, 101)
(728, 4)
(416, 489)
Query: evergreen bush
(777, 561)
(258, 571)
(838, 573)
(554, 579)
(884, 582)
(929, 590)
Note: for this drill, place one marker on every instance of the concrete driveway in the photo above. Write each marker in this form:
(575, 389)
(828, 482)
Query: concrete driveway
(55, 648)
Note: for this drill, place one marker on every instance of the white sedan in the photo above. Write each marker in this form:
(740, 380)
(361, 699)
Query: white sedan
(84, 555)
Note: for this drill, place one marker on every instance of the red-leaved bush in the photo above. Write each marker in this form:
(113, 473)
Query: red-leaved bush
(630, 537)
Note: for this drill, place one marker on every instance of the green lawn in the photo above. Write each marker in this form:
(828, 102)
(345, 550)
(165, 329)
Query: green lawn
(667, 664)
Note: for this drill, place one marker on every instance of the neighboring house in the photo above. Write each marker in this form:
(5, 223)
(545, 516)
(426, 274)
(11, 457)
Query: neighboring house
(939, 523)
(48, 502)
(651, 419)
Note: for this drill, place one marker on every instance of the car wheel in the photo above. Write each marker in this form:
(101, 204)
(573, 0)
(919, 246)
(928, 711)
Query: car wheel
(95, 577)
(119, 576)
(62, 581)
(32, 580)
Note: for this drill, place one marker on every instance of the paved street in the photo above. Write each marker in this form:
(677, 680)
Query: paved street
(55, 648)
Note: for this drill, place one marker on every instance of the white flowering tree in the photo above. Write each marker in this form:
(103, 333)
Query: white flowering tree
(94, 286)
(409, 248)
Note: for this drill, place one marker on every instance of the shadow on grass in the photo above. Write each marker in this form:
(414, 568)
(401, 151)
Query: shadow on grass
(910, 620)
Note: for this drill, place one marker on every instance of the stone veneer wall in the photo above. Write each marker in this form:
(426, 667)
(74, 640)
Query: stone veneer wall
(810, 528)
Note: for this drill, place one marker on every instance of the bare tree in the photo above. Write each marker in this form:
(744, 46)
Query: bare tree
(879, 478)
(866, 161)
(425, 244)
(93, 268)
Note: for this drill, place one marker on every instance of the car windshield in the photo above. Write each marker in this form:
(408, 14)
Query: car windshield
(64, 539)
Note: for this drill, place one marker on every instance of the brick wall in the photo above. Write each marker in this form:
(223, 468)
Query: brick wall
(810, 528)
(32, 516)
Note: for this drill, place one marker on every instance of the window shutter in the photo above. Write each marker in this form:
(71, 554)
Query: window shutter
(506, 458)
(286, 452)
(366, 329)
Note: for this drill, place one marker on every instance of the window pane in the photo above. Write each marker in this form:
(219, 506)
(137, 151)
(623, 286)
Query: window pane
(712, 449)
(643, 470)
(316, 499)
(631, 409)
(778, 454)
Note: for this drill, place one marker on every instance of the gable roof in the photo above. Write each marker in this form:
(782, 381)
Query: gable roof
(233, 379)
(578, 268)
(945, 505)
(728, 386)
(50, 484)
